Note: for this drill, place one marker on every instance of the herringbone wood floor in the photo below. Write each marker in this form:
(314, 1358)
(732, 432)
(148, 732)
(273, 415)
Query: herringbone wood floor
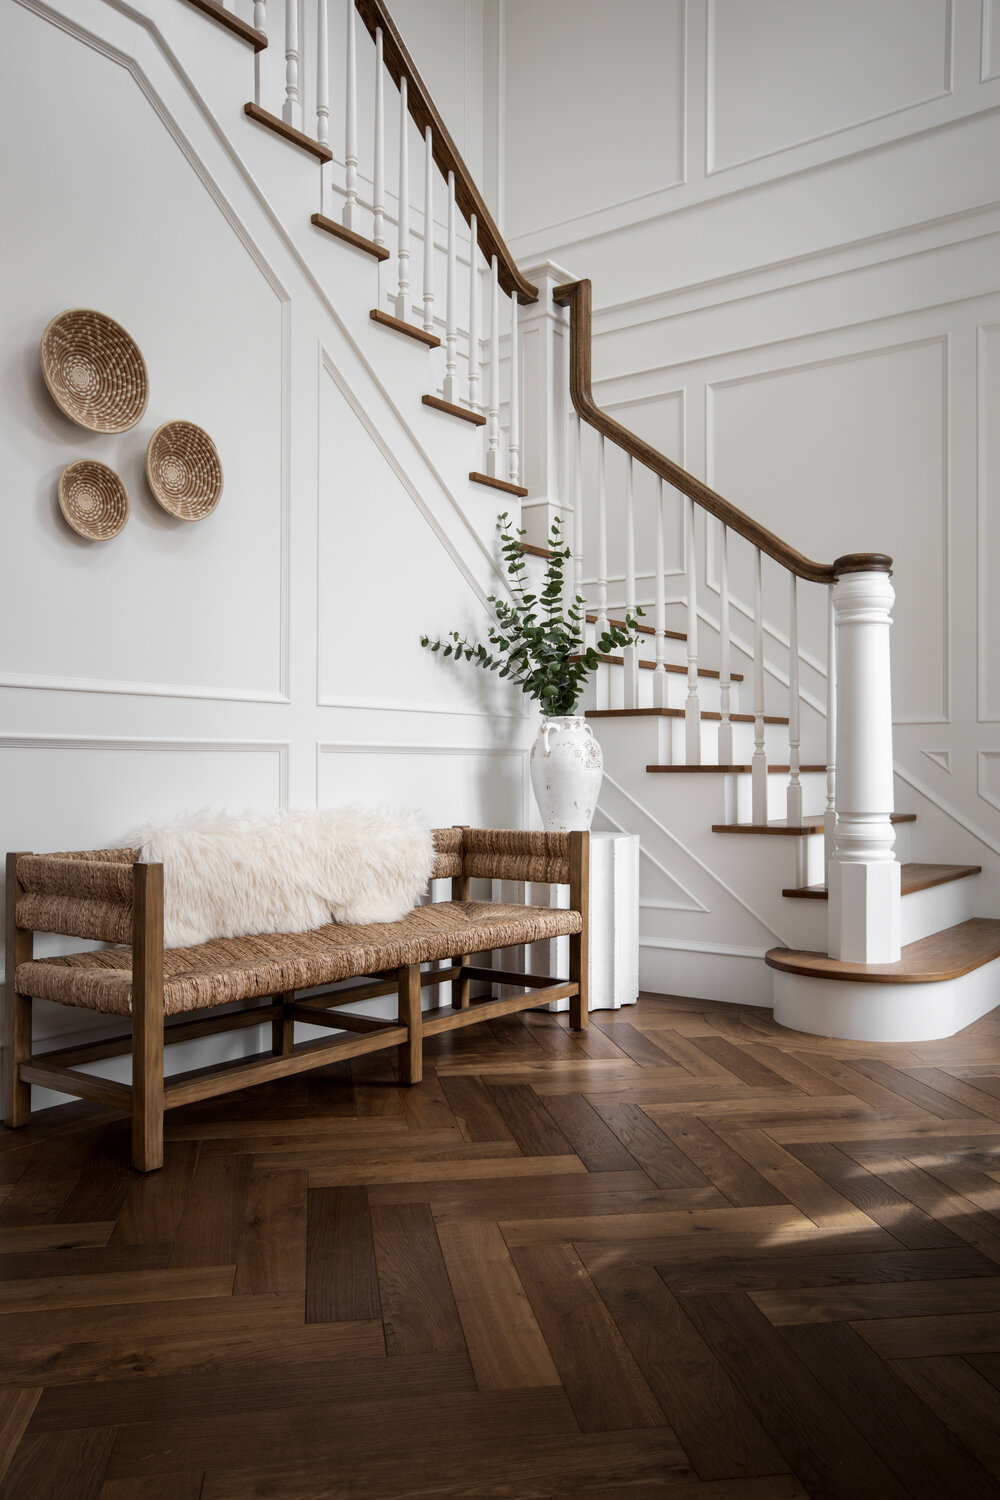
(686, 1254)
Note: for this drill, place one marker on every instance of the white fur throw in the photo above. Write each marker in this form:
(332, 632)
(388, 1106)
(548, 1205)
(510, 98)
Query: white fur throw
(235, 874)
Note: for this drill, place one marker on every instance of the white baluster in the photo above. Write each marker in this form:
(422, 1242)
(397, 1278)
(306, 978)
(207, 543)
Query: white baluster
(602, 539)
(260, 24)
(759, 763)
(322, 73)
(514, 430)
(474, 350)
(403, 294)
(429, 233)
(794, 812)
(351, 127)
(291, 110)
(378, 174)
(830, 815)
(450, 388)
(692, 704)
(725, 669)
(578, 508)
(493, 424)
(660, 678)
(631, 668)
(864, 905)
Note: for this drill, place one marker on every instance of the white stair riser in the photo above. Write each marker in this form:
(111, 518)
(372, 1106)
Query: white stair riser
(610, 690)
(923, 912)
(667, 970)
(868, 1012)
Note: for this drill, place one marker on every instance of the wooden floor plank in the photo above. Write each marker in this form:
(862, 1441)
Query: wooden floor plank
(730, 1172)
(909, 1224)
(716, 1427)
(651, 1148)
(842, 1304)
(530, 1123)
(341, 1279)
(594, 1142)
(271, 1255)
(797, 1183)
(963, 1400)
(67, 1465)
(154, 1208)
(472, 1105)
(16, 1407)
(210, 1229)
(418, 1307)
(602, 1380)
(505, 1343)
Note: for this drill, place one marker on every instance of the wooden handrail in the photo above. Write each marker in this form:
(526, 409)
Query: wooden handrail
(576, 295)
(400, 65)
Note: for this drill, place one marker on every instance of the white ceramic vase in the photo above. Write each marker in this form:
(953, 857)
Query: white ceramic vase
(567, 768)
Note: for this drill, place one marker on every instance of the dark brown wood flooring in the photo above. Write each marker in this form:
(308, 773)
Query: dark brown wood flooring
(688, 1253)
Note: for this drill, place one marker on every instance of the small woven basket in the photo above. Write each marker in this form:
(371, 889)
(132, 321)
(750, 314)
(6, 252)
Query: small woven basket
(184, 470)
(93, 500)
(94, 370)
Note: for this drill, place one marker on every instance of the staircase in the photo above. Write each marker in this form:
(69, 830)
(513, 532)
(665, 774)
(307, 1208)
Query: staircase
(764, 795)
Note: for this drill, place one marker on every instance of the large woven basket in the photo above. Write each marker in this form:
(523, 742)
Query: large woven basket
(94, 370)
(184, 470)
(93, 500)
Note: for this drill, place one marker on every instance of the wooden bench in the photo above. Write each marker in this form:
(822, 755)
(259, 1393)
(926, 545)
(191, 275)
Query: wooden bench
(111, 896)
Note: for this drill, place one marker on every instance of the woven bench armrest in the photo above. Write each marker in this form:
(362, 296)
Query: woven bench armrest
(85, 895)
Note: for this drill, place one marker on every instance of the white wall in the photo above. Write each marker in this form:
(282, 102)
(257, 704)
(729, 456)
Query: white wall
(268, 655)
(789, 211)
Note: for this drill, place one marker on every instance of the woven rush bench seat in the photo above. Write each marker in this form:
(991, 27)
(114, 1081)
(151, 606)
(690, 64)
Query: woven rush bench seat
(113, 897)
(252, 968)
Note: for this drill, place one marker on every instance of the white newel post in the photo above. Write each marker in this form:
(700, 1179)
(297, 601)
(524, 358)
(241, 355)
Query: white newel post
(543, 327)
(864, 873)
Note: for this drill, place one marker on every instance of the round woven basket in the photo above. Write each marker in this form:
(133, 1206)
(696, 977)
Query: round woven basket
(93, 500)
(94, 371)
(184, 471)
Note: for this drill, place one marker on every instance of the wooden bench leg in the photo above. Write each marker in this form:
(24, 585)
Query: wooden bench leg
(283, 1027)
(17, 1009)
(411, 1052)
(579, 946)
(147, 1018)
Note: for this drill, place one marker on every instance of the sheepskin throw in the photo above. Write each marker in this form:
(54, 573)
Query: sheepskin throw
(232, 875)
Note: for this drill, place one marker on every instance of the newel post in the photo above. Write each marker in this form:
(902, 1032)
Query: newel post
(543, 327)
(864, 873)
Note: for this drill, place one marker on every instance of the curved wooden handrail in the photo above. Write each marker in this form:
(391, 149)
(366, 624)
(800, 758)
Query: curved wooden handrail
(468, 197)
(576, 295)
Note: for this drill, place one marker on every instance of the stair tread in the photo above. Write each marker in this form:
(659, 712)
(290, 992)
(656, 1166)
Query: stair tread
(671, 635)
(944, 955)
(914, 877)
(772, 770)
(795, 830)
(410, 329)
(288, 132)
(650, 666)
(451, 410)
(498, 484)
(349, 236)
(674, 713)
(218, 12)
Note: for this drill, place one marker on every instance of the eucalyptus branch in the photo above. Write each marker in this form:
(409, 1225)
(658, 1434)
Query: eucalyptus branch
(539, 642)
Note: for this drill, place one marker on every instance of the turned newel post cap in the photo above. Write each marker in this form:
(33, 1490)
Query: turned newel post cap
(863, 562)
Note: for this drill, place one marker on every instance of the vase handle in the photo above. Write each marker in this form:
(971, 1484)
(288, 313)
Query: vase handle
(588, 728)
(547, 729)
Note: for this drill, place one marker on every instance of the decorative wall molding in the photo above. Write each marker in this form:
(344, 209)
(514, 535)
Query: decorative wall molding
(986, 70)
(950, 811)
(348, 747)
(939, 758)
(713, 169)
(987, 712)
(983, 759)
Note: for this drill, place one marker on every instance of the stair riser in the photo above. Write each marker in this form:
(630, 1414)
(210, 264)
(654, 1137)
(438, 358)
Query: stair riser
(885, 1012)
(610, 691)
(922, 913)
(706, 976)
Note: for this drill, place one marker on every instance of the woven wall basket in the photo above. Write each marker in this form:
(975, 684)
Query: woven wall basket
(95, 372)
(93, 500)
(184, 471)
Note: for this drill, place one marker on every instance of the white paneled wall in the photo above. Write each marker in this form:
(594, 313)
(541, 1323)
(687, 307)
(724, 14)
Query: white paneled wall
(270, 654)
(808, 277)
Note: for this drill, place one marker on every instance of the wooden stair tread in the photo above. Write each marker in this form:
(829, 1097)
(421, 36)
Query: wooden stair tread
(287, 132)
(349, 236)
(531, 550)
(674, 713)
(670, 635)
(399, 326)
(499, 484)
(795, 830)
(449, 407)
(740, 770)
(650, 666)
(242, 29)
(944, 955)
(914, 877)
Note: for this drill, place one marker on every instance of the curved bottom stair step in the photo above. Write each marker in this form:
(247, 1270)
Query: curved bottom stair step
(945, 955)
(913, 878)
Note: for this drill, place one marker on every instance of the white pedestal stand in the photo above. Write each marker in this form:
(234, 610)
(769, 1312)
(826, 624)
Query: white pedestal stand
(614, 925)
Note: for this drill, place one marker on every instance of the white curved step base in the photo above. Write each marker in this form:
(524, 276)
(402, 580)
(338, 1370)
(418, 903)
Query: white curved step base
(864, 1012)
